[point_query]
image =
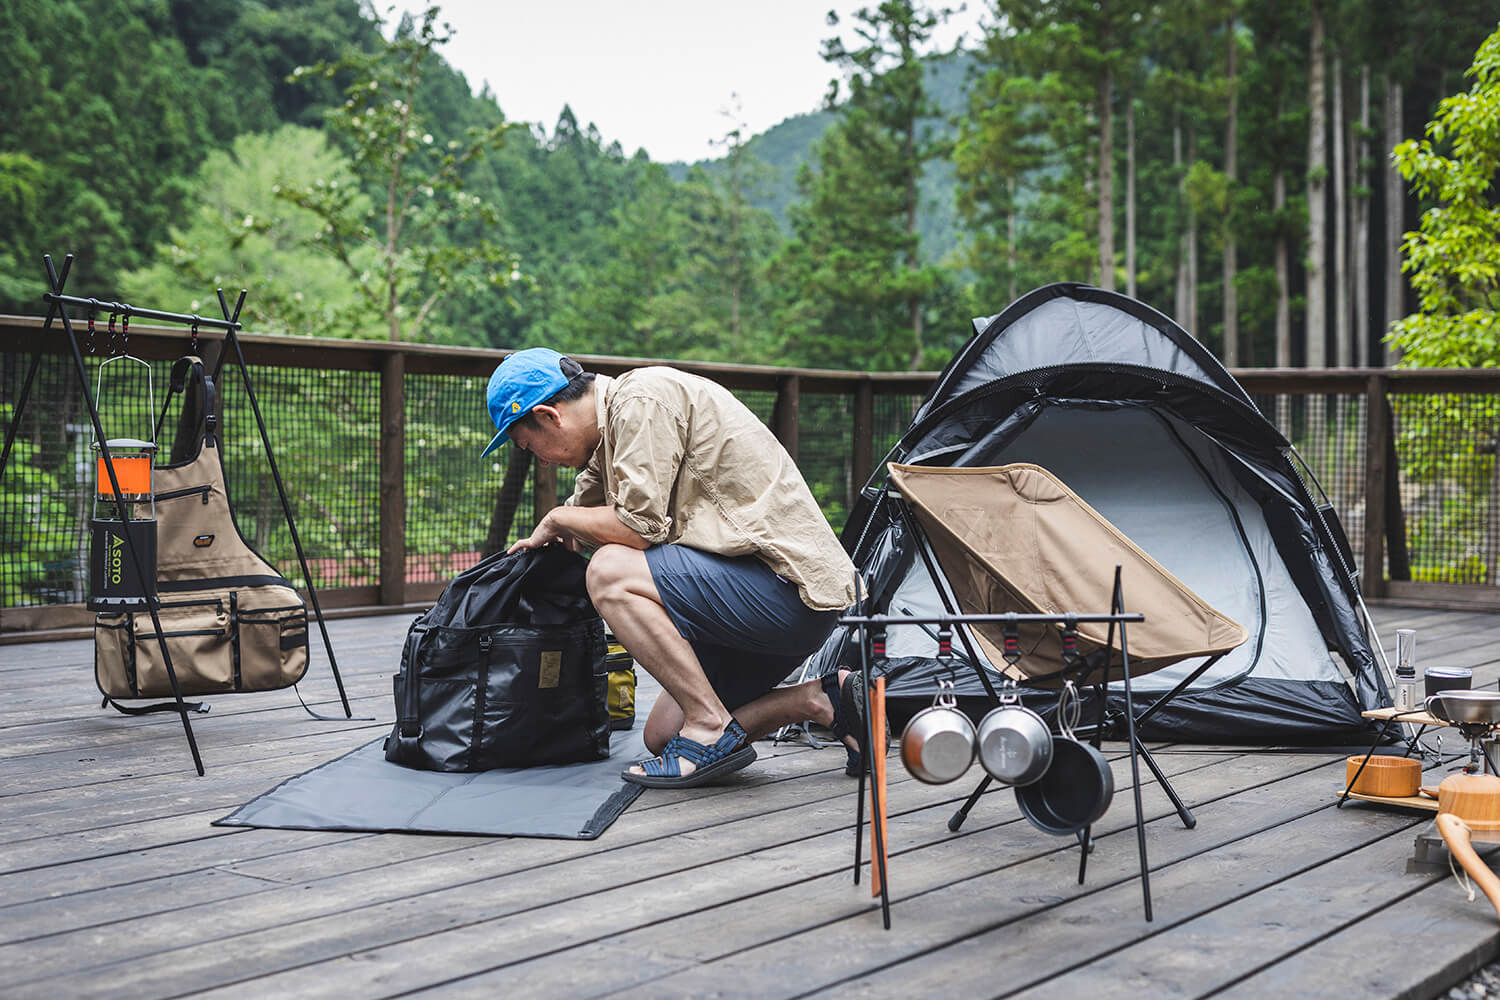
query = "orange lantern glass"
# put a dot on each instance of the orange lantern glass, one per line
(132, 460)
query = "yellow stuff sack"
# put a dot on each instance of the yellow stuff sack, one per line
(621, 670)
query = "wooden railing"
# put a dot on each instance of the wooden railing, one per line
(1360, 459)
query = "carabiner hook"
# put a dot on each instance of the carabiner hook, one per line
(193, 346)
(93, 308)
(111, 347)
(945, 651)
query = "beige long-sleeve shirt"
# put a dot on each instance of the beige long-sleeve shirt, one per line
(681, 460)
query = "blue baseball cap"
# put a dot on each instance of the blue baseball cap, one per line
(525, 379)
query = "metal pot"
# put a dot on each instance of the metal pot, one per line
(1075, 791)
(1015, 745)
(1460, 708)
(1078, 786)
(937, 745)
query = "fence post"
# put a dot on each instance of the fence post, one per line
(393, 479)
(784, 416)
(1397, 558)
(543, 489)
(864, 436)
(1377, 451)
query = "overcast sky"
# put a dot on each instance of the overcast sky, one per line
(657, 74)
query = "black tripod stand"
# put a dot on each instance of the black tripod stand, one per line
(57, 309)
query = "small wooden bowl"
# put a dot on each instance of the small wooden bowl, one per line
(1385, 777)
(1473, 798)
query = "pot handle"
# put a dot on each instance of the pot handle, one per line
(1069, 710)
(1456, 836)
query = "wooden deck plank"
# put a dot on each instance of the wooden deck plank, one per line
(1207, 952)
(773, 906)
(113, 883)
(997, 901)
(396, 885)
(1410, 945)
(752, 857)
(507, 877)
(67, 770)
(1032, 956)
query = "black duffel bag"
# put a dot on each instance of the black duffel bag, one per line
(507, 669)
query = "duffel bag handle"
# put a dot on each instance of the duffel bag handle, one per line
(408, 712)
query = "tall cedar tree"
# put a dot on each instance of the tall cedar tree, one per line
(1001, 146)
(1084, 45)
(858, 287)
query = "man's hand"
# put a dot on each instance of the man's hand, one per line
(580, 527)
(548, 530)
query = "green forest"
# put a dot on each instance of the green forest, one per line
(1228, 162)
(1308, 183)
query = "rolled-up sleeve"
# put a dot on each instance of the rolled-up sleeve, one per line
(650, 438)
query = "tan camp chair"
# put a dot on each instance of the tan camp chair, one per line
(1015, 540)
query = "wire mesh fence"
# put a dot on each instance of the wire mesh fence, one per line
(449, 488)
(1450, 499)
(1328, 432)
(323, 424)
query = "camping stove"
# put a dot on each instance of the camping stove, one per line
(1476, 714)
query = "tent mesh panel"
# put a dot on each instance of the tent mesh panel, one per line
(1329, 433)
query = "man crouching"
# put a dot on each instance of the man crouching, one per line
(713, 565)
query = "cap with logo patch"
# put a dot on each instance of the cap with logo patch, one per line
(523, 380)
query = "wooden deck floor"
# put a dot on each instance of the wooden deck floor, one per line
(113, 883)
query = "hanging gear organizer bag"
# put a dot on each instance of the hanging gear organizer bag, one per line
(507, 669)
(231, 622)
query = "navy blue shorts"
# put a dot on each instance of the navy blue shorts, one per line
(748, 626)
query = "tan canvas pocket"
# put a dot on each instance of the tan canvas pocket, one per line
(114, 669)
(197, 635)
(272, 645)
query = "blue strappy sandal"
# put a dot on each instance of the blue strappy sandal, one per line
(726, 755)
(848, 715)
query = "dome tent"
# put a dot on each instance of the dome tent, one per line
(1140, 421)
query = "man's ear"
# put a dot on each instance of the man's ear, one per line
(548, 415)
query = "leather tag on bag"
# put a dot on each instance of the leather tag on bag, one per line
(551, 672)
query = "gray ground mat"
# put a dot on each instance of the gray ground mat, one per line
(362, 791)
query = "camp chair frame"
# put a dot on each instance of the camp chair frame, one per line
(57, 304)
(871, 642)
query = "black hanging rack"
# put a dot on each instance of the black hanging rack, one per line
(136, 312)
(57, 308)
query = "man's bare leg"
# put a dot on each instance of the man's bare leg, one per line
(625, 595)
(779, 707)
(620, 585)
